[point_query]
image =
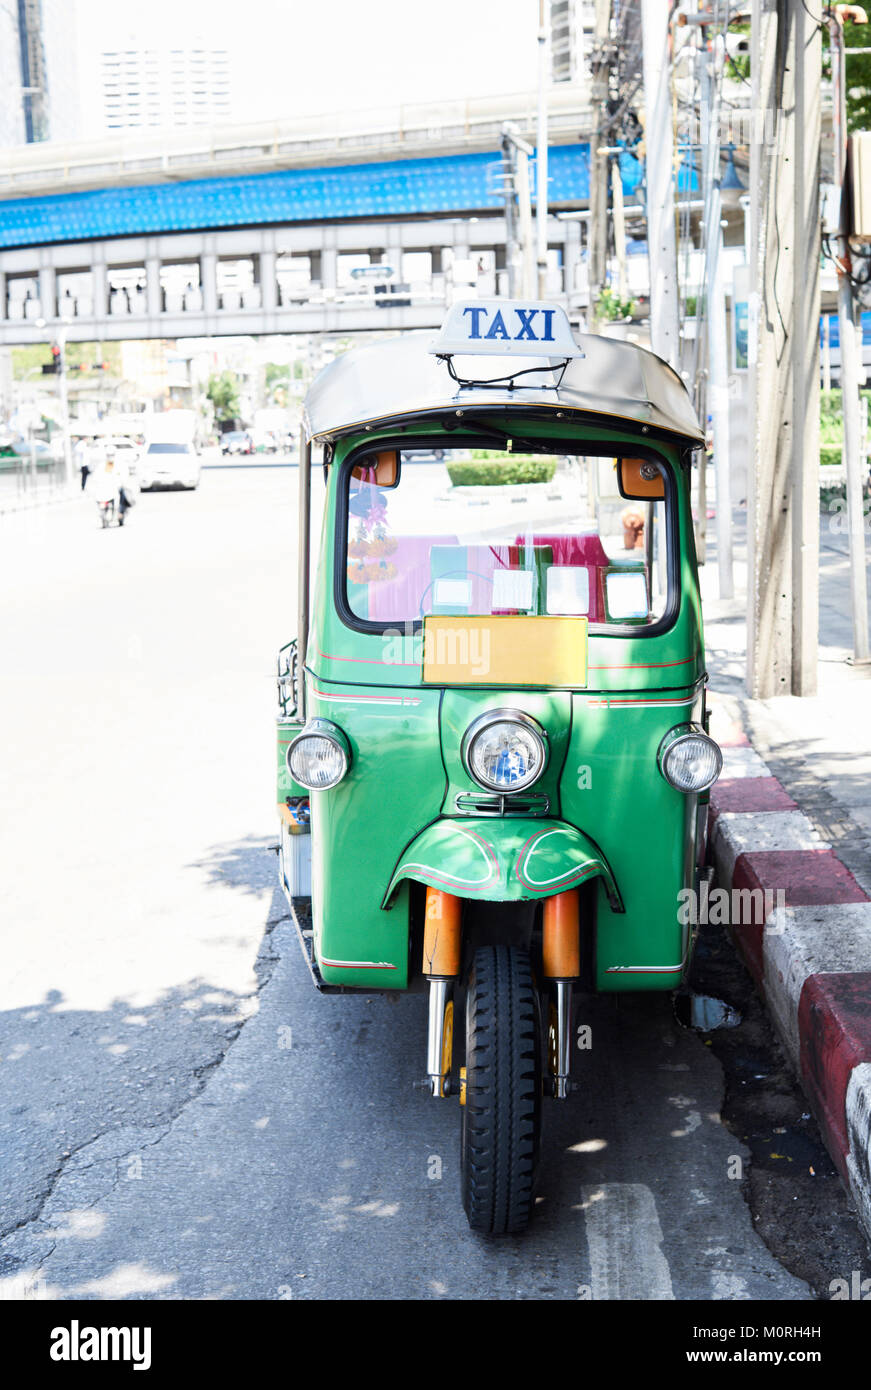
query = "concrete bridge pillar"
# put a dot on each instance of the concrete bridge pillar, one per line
(47, 292)
(393, 255)
(153, 296)
(329, 268)
(268, 281)
(462, 273)
(100, 287)
(209, 281)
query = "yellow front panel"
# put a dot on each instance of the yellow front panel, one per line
(505, 651)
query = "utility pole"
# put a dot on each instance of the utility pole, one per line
(715, 293)
(518, 214)
(61, 340)
(659, 156)
(509, 189)
(597, 245)
(541, 185)
(849, 338)
(65, 407)
(619, 229)
(783, 498)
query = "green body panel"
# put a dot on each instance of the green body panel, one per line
(503, 860)
(394, 787)
(612, 788)
(606, 796)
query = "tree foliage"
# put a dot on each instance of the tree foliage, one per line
(858, 70)
(858, 74)
(79, 357)
(223, 391)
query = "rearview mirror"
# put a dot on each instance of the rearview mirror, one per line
(640, 479)
(384, 465)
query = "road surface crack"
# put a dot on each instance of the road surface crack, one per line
(268, 955)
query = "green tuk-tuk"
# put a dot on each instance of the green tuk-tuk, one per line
(493, 761)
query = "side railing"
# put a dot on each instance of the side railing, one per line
(288, 680)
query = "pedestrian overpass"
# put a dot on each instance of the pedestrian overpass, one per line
(296, 232)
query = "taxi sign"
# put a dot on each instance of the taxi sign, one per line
(507, 327)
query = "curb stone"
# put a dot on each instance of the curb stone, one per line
(806, 939)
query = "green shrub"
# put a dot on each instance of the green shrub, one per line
(832, 424)
(610, 308)
(499, 470)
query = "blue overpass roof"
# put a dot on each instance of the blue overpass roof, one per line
(462, 183)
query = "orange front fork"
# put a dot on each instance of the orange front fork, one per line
(561, 962)
(442, 949)
(441, 934)
(561, 936)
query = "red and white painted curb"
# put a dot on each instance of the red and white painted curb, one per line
(807, 944)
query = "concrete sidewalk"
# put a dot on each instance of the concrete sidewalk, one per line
(791, 816)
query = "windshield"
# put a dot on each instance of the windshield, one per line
(482, 532)
(169, 448)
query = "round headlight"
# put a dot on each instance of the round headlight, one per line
(505, 751)
(319, 757)
(689, 760)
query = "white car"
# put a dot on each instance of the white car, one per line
(169, 465)
(126, 453)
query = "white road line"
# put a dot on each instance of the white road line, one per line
(624, 1238)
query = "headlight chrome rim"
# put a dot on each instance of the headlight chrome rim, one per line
(323, 731)
(683, 734)
(479, 726)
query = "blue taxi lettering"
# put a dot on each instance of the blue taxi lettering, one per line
(476, 319)
(526, 316)
(498, 328)
(547, 335)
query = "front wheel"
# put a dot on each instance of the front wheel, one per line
(501, 1124)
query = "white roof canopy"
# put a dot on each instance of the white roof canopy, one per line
(401, 378)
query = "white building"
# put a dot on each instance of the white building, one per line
(171, 65)
(39, 97)
(11, 101)
(572, 27)
(163, 84)
(60, 66)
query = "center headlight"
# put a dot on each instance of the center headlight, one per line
(505, 750)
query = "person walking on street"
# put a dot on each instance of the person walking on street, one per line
(112, 486)
(82, 455)
(94, 459)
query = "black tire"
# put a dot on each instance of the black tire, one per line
(501, 1119)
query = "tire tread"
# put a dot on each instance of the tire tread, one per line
(502, 1120)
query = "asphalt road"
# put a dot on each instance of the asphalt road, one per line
(181, 1114)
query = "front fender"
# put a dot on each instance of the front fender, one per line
(503, 860)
